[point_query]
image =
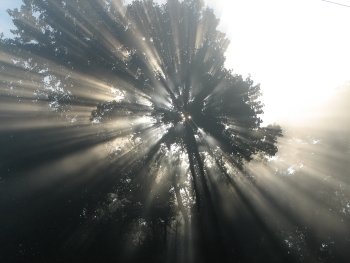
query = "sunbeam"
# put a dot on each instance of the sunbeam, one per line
(124, 138)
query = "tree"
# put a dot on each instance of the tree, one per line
(171, 117)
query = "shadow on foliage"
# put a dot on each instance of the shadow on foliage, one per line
(131, 107)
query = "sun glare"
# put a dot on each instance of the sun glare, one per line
(131, 113)
(296, 50)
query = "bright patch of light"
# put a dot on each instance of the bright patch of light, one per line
(119, 94)
(175, 148)
(273, 158)
(291, 170)
(147, 119)
(315, 141)
(96, 120)
(299, 61)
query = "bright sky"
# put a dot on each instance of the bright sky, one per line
(299, 50)
(5, 20)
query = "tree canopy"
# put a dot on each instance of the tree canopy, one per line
(147, 83)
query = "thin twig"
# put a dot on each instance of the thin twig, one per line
(335, 3)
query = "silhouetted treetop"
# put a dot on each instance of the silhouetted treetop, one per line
(175, 122)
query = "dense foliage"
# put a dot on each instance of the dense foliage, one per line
(135, 103)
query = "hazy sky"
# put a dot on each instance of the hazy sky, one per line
(298, 50)
(5, 20)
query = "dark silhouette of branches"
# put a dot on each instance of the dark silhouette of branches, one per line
(176, 125)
